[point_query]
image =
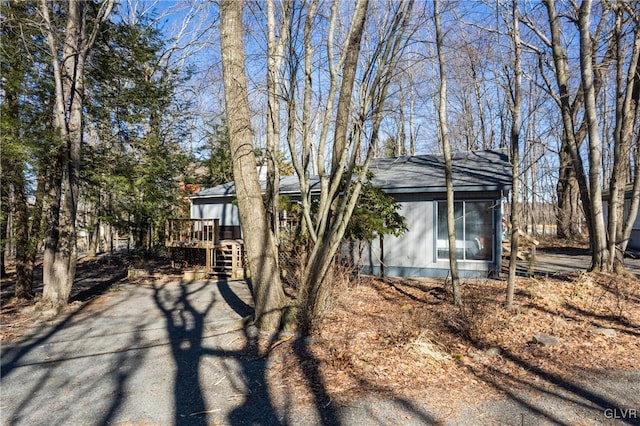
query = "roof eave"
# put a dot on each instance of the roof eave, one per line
(438, 189)
(233, 194)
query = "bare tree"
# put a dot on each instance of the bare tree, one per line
(448, 163)
(571, 186)
(69, 49)
(355, 97)
(606, 254)
(275, 51)
(333, 208)
(516, 103)
(258, 237)
(600, 252)
(626, 106)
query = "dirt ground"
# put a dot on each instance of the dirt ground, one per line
(392, 351)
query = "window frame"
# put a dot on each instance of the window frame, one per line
(464, 230)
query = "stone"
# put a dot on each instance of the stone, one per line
(475, 357)
(545, 339)
(491, 352)
(609, 332)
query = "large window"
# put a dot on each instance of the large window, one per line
(474, 230)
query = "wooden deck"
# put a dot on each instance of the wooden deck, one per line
(186, 237)
(192, 233)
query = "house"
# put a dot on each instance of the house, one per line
(481, 180)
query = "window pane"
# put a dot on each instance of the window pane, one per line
(474, 230)
(479, 230)
(443, 239)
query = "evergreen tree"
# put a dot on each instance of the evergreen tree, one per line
(27, 137)
(219, 164)
(136, 158)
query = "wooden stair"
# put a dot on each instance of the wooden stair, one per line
(229, 260)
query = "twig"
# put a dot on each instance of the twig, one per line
(276, 344)
(197, 413)
(234, 339)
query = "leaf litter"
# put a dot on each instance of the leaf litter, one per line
(404, 338)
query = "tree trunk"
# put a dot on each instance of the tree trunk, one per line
(340, 186)
(260, 246)
(275, 48)
(13, 170)
(4, 222)
(600, 251)
(346, 88)
(571, 142)
(53, 287)
(334, 208)
(68, 62)
(448, 168)
(24, 268)
(15, 174)
(94, 234)
(627, 110)
(36, 223)
(568, 208)
(515, 152)
(5, 212)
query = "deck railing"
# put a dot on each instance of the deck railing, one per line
(192, 232)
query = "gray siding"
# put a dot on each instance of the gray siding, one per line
(413, 253)
(634, 238)
(413, 249)
(410, 255)
(224, 210)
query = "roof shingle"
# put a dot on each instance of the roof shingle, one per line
(488, 170)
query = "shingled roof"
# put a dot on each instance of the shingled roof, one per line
(488, 170)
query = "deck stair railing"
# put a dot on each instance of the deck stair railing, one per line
(230, 259)
(192, 232)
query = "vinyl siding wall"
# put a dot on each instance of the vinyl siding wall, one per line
(413, 254)
(218, 208)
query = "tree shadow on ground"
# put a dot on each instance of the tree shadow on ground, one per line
(236, 303)
(624, 326)
(247, 365)
(623, 289)
(540, 384)
(89, 271)
(123, 367)
(186, 328)
(438, 294)
(549, 384)
(328, 412)
(573, 251)
(12, 355)
(53, 368)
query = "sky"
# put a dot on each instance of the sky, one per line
(190, 27)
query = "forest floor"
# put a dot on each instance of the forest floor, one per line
(395, 351)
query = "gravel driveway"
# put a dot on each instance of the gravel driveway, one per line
(171, 354)
(559, 261)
